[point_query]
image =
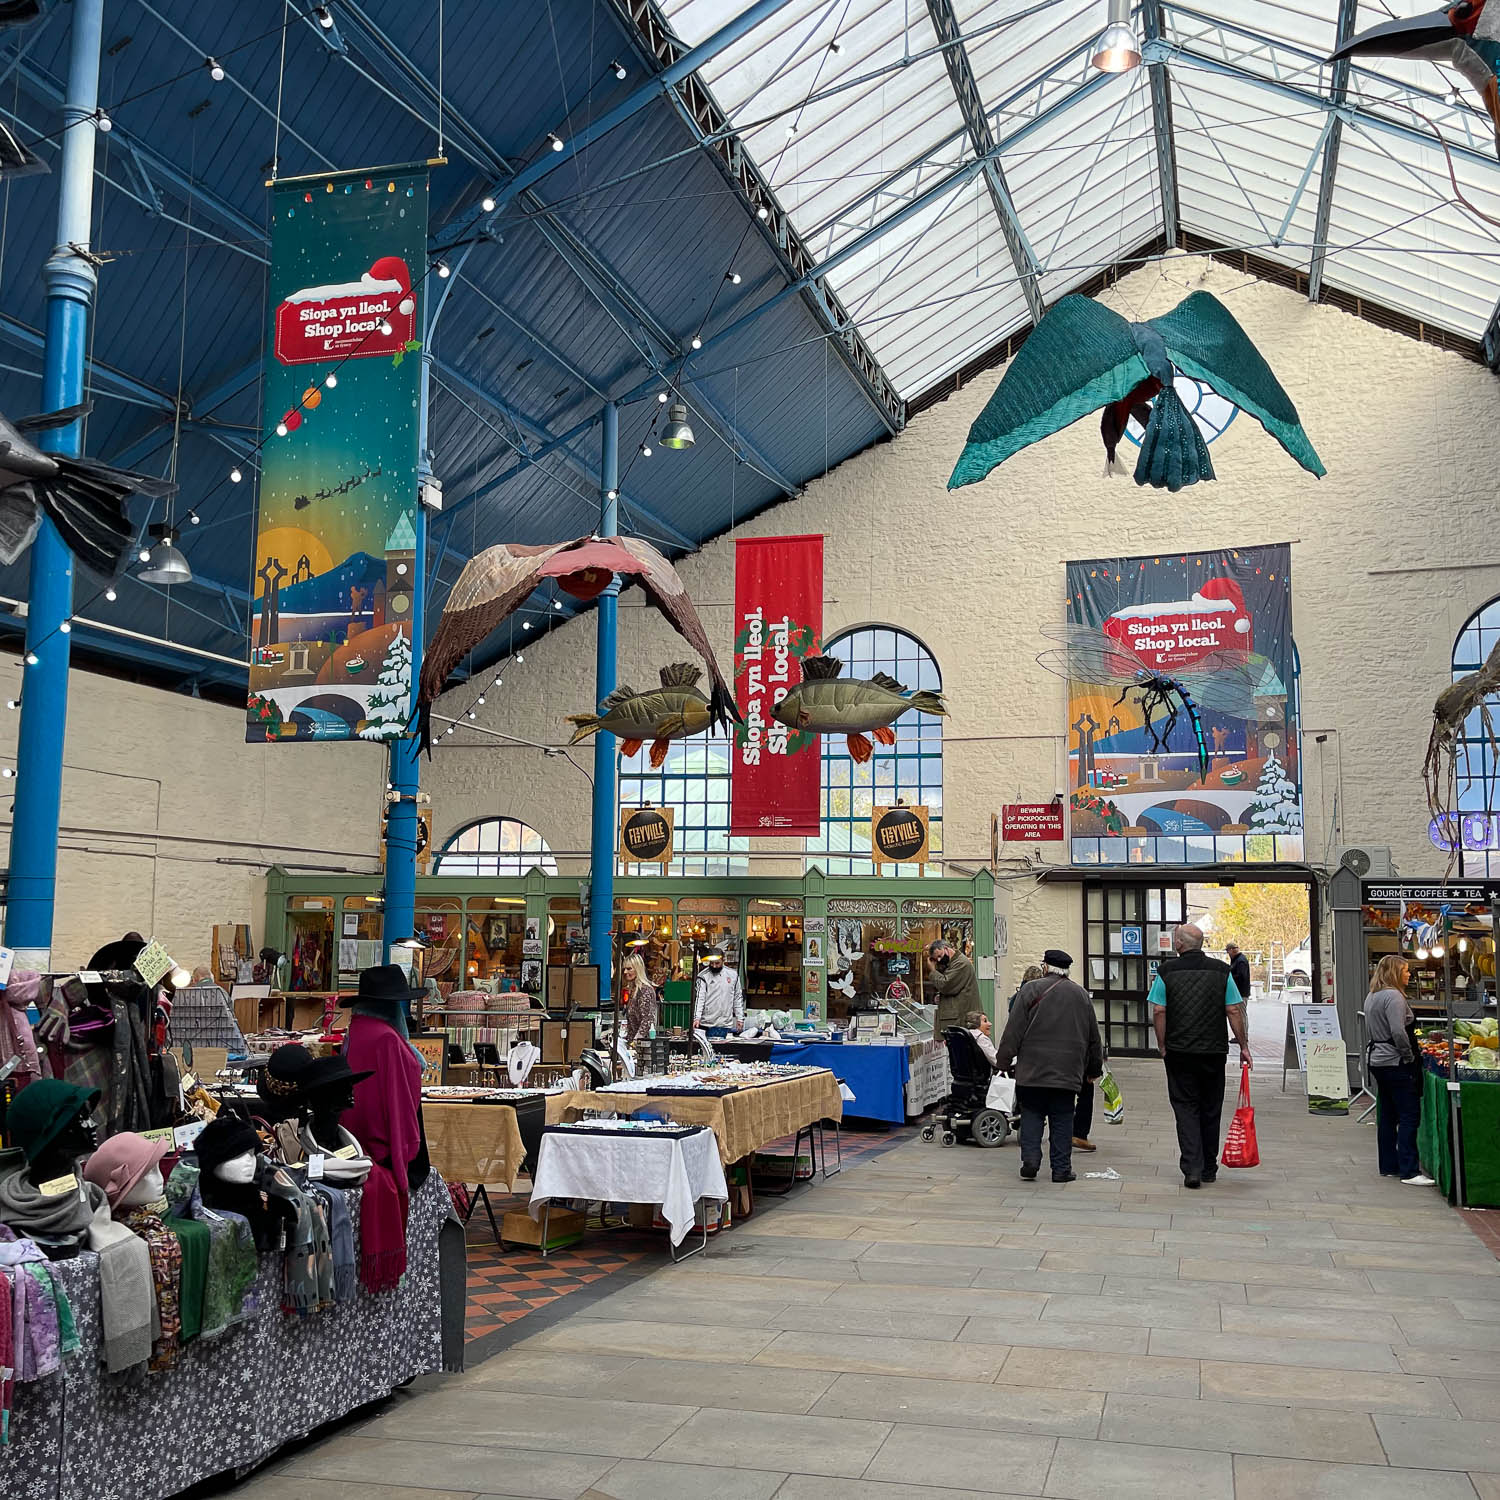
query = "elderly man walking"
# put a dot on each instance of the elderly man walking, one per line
(1192, 999)
(1052, 1038)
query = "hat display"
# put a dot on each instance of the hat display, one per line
(121, 1162)
(119, 956)
(324, 1072)
(282, 1076)
(1055, 958)
(386, 984)
(224, 1138)
(43, 1110)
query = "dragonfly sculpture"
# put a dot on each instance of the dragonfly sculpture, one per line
(1222, 682)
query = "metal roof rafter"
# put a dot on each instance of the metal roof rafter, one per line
(1338, 93)
(1161, 124)
(976, 122)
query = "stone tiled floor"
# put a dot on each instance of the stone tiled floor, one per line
(926, 1324)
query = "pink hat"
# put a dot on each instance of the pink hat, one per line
(121, 1162)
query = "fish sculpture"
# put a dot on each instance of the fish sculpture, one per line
(84, 498)
(827, 704)
(671, 712)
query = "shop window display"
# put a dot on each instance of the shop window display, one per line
(494, 929)
(495, 846)
(773, 955)
(440, 920)
(361, 923)
(911, 770)
(309, 943)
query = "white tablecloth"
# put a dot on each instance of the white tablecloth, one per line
(632, 1167)
(930, 1080)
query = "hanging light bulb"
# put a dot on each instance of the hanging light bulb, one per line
(385, 327)
(520, 659)
(499, 682)
(677, 433)
(12, 703)
(763, 213)
(215, 69)
(645, 450)
(31, 658)
(525, 625)
(234, 475)
(325, 17)
(330, 380)
(557, 604)
(448, 730)
(66, 628)
(111, 595)
(732, 277)
(611, 494)
(1438, 950)
(487, 204)
(480, 700)
(555, 141)
(1421, 955)
(144, 554)
(662, 397)
(471, 713)
(443, 271)
(1117, 50)
(1452, 98)
(619, 70)
(280, 431)
(8, 773)
(102, 122)
(194, 519)
(697, 342)
(1463, 945)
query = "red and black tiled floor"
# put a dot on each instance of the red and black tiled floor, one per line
(507, 1285)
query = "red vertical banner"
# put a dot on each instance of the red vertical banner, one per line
(778, 617)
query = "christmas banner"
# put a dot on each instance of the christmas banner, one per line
(335, 547)
(1182, 734)
(778, 613)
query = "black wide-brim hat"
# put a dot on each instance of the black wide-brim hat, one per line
(386, 984)
(119, 956)
(325, 1072)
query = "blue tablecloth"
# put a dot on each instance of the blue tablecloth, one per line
(876, 1074)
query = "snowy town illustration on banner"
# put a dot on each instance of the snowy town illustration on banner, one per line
(1182, 732)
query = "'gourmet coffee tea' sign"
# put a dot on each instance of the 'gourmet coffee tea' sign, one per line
(898, 835)
(646, 835)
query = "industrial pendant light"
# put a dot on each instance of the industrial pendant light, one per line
(165, 565)
(677, 433)
(1118, 51)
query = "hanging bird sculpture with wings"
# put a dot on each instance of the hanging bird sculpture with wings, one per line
(498, 581)
(1082, 357)
(1465, 35)
(1223, 681)
(1463, 703)
(83, 498)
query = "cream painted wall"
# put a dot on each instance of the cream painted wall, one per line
(1392, 552)
(170, 819)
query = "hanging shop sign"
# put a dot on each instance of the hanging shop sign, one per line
(336, 537)
(1032, 822)
(1472, 831)
(1182, 733)
(898, 835)
(778, 611)
(646, 835)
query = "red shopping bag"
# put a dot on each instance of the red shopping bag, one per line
(1240, 1149)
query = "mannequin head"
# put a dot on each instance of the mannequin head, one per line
(50, 1121)
(228, 1152)
(128, 1167)
(280, 1082)
(238, 1170)
(327, 1091)
(386, 993)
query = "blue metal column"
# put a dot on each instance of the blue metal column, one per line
(602, 841)
(70, 284)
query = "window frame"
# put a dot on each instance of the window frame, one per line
(499, 861)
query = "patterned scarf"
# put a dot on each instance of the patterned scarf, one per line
(341, 1237)
(7, 1359)
(166, 1273)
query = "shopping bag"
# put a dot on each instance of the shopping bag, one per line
(1240, 1149)
(1114, 1105)
(1002, 1094)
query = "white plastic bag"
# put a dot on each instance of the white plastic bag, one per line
(1002, 1094)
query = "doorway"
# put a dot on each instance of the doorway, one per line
(1127, 930)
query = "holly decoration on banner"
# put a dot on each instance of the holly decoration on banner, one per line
(1101, 807)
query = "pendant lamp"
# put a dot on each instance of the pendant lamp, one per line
(1118, 51)
(166, 565)
(677, 433)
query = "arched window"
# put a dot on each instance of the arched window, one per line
(911, 769)
(495, 846)
(1478, 768)
(694, 782)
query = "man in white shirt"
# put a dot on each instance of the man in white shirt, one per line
(718, 998)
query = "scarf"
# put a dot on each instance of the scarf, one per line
(193, 1240)
(299, 1284)
(59, 1223)
(232, 1268)
(393, 1013)
(382, 1230)
(127, 1298)
(166, 1273)
(341, 1240)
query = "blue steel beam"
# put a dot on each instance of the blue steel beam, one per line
(14, 331)
(603, 823)
(1161, 125)
(70, 281)
(982, 138)
(588, 471)
(1338, 93)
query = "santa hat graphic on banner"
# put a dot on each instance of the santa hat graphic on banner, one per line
(1180, 632)
(349, 319)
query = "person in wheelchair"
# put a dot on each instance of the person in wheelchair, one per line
(979, 1028)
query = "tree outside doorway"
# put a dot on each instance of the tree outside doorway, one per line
(1262, 918)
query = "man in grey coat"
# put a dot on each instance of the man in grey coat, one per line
(954, 985)
(1052, 1039)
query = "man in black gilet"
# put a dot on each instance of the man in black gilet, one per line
(1191, 999)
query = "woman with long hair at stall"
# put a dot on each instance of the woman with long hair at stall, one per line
(1395, 1070)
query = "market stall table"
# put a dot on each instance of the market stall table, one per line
(1478, 1133)
(876, 1073)
(609, 1161)
(745, 1119)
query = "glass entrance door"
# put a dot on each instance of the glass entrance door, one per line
(1127, 931)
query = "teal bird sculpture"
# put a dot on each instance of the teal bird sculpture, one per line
(1082, 357)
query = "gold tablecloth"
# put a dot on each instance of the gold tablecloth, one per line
(474, 1143)
(743, 1121)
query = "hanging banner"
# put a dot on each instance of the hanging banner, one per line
(898, 835)
(1182, 734)
(778, 613)
(335, 546)
(646, 835)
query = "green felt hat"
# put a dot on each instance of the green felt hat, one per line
(43, 1110)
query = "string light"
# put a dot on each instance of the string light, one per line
(325, 17)
(732, 277)
(620, 70)
(443, 271)
(280, 432)
(31, 658)
(234, 475)
(525, 624)
(555, 141)
(111, 595)
(520, 660)
(8, 773)
(215, 69)
(487, 204)
(66, 628)
(102, 122)
(662, 397)
(791, 129)
(763, 213)
(557, 604)
(645, 450)
(331, 381)
(480, 700)
(145, 554)
(385, 327)
(471, 713)
(611, 494)
(697, 342)
(194, 518)
(12, 703)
